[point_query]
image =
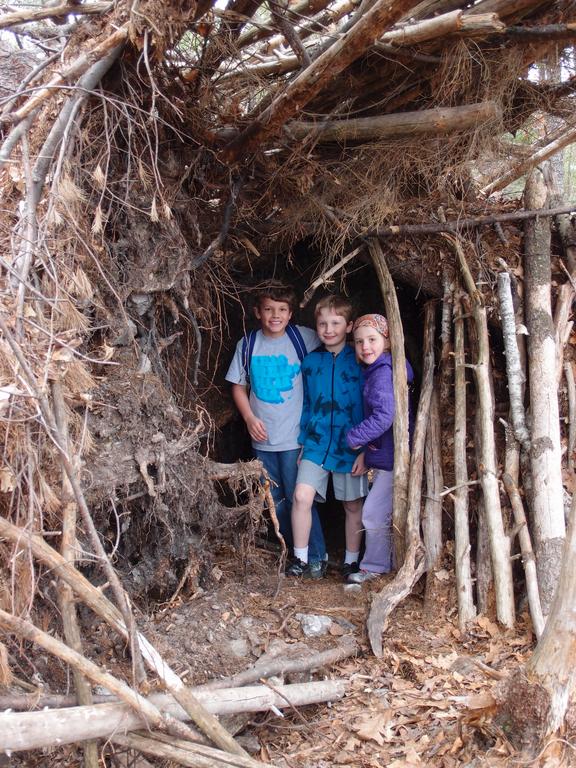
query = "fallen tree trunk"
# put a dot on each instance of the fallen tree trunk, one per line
(34, 730)
(440, 120)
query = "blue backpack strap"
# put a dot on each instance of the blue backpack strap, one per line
(296, 338)
(248, 343)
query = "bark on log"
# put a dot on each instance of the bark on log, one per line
(400, 427)
(545, 454)
(432, 516)
(466, 607)
(8, 20)
(34, 730)
(486, 452)
(414, 563)
(438, 121)
(315, 77)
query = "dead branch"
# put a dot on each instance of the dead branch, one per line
(459, 224)
(324, 278)
(35, 730)
(400, 427)
(571, 389)
(77, 68)
(8, 20)
(284, 666)
(414, 563)
(466, 607)
(183, 753)
(515, 373)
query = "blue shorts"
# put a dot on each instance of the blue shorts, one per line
(347, 487)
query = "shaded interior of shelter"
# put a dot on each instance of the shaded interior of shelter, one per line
(359, 282)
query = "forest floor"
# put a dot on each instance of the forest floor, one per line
(427, 702)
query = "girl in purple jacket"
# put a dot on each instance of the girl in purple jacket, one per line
(372, 343)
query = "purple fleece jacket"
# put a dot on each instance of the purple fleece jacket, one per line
(375, 432)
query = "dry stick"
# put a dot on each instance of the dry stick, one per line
(65, 594)
(510, 479)
(77, 68)
(36, 730)
(26, 630)
(324, 278)
(514, 370)
(545, 456)
(8, 20)
(184, 753)
(458, 224)
(486, 451)
(400, 427)
(571, 387)
(283, 666)
(291, 35)
(527, 164)
(315, 77)
(562, 324)
(466, 607)
(415, 561)
(274, 517)
(30, 77)
(104, 608)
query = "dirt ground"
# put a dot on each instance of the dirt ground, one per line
(427, 701)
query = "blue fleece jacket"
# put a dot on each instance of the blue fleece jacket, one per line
(375, 431)
(332, 405)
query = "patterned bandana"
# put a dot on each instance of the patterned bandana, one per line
(374, 321)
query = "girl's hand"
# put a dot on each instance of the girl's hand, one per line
(359, 468)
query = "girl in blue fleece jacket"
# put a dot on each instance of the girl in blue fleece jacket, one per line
(372, 344)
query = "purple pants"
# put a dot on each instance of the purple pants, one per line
(377, 522)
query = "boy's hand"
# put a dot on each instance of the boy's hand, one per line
(257, 429)
(359, 468)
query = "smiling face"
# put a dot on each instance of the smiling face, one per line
(332, 330)
(274, 316)
(369, 344)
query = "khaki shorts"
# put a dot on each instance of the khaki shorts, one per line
(347, 487)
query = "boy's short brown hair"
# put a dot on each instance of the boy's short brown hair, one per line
(276, 291)
(340, 305)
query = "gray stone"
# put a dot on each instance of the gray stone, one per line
(239, 648)
(314, 625)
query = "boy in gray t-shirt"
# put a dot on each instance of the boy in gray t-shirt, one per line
(267, 390)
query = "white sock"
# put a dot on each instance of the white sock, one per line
(301, 553)
(326, 557)
(350, 557)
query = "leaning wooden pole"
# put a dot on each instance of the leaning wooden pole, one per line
(400, 428)
(545, 453)
(466, 607)
(414, 563)
(486, 452)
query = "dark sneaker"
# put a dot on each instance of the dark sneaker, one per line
(347, 569)
(314, 570)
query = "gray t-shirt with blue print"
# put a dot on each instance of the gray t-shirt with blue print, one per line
(276, 392)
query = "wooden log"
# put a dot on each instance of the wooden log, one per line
(438, 121)
(400, 427)
(35, 730)
(486, 451)
(571, 390)
(315, 77)
(466, 607)
(432, 516)
(545, 454)
(414, 563)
